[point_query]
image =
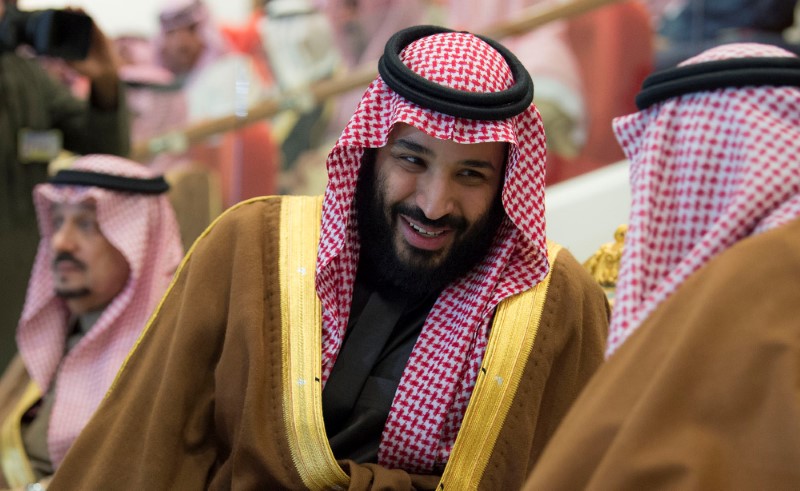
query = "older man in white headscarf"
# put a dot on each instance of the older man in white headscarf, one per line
(110, 245)
(219, 83)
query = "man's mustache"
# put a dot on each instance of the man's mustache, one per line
(415, 213)
(66, 256)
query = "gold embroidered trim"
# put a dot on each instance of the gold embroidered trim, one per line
(14, 460)
(506, 356)
(301, 326)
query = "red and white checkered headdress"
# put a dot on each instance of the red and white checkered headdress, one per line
(709, 168)
(143, 228)
(437, 383)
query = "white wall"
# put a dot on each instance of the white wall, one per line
(117, 17)
(583, 213)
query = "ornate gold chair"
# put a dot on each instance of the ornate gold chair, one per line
(603, 265)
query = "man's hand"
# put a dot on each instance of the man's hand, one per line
(101, 68)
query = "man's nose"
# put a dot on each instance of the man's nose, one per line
(435, 196)
(63, 239)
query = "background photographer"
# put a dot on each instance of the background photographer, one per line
(39, 118)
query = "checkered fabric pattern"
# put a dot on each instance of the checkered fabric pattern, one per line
(143, 228)
(708, 170)
(433, 393)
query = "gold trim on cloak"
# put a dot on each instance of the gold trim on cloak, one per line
(301, 327)
(13, 458)
(511, 341)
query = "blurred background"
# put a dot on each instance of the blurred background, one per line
(118, 18)
(232, 99)
(239, 98)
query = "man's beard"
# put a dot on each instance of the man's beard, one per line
(420, 274)
(67, 294)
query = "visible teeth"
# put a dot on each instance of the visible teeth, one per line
(423, 231)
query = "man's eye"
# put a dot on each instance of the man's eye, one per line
(411, 159)
(87, 225)
(472, 175)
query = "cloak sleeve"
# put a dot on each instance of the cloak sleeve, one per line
(705, 394)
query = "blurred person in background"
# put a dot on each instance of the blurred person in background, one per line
(614, 48)
(219, 83)
(109, 248)
(39, 118)
(155, 101)
(158, 108)
(299, 45)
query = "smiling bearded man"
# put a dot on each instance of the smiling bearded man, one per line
(109, 247)
(412, 329)
(446, 247)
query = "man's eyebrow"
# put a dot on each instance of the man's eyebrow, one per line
(478, 164)
(412, 146)
(415, 147)
(82, 206)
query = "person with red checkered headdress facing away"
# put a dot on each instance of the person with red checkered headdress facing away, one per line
(410, 329)
(110, 245)
(700, 389)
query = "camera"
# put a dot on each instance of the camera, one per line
(58, 33)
